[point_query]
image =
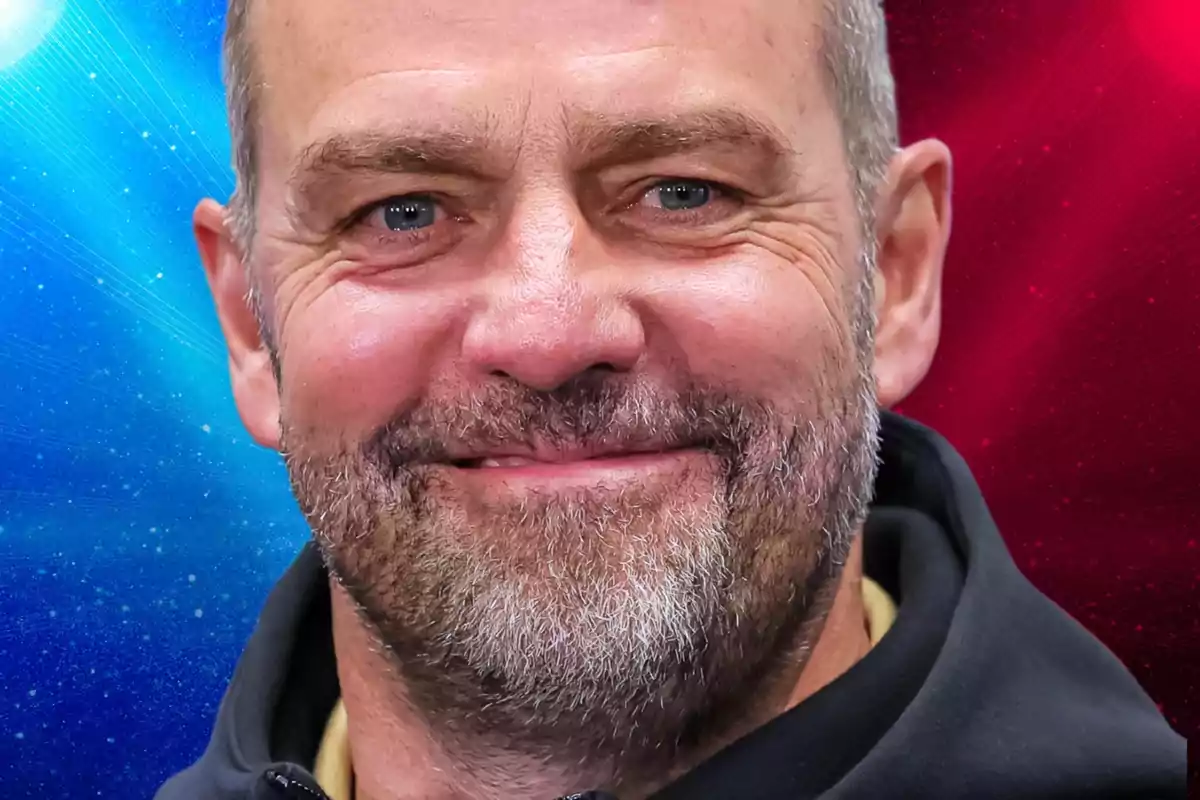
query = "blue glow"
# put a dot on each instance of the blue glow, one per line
(23, 26)
(139, 527)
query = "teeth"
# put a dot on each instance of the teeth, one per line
(505, 461)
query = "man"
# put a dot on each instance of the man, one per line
(573, 321)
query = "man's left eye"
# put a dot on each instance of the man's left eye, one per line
(680, 194)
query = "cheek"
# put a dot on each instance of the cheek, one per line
(353, 357)
(769, 330)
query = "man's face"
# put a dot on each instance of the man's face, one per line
(565, 298)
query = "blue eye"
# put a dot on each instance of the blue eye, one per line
(409, 213)
(682, 195)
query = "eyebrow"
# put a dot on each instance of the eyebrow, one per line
(598, 141)
(379, 152)
(603, 141)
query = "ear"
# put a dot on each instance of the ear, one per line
(913, 228)
(250, 368)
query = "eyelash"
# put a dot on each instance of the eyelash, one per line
(719, 192)
(419, 236)
(359, 216)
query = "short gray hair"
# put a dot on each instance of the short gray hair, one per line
(241, 101)
(858, 71)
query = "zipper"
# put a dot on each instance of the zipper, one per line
(283, 782)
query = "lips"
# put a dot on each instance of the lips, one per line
(551, 458)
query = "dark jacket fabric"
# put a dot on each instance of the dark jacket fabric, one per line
(982, 688)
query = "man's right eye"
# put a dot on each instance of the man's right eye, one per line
(404, 214)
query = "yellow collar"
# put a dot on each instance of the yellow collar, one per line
(335, 774)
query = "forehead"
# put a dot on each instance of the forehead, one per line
(359, 63)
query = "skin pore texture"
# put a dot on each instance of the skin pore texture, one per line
(573, 345)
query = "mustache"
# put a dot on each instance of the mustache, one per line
(592, 410)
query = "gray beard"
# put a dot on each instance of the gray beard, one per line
(620, 629)
(614, 632)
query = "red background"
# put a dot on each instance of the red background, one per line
(1069, 366)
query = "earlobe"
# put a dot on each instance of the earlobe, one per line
(913, 228)
(251, 371)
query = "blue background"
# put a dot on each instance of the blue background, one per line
(139, 526)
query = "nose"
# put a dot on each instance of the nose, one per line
(551, 317)
(545, 335)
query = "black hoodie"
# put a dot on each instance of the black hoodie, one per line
(982, 688)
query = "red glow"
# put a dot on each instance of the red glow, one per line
(1169, 32)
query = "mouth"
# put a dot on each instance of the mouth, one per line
(557, 459)
(551, 470)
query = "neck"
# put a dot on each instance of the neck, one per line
(398, 754)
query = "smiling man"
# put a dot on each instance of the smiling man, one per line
(574, 321)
